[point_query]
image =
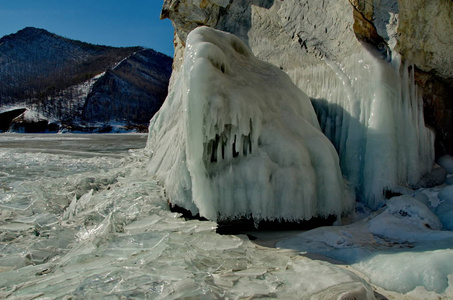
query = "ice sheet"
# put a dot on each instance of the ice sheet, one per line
(91, 234)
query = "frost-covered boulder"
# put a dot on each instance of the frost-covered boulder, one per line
(345, 59)
(236, 138)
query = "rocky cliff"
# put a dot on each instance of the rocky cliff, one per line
(296, 35)
(378, 73)
(76, 85)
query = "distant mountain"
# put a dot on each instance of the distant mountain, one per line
(79, 86)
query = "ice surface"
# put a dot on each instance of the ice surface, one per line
(400, 248)
(237, 138)
(372, 112)
(404, 271)
(109, 234)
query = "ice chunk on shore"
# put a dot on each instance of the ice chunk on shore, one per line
(237, 138)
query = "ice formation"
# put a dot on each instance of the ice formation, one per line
(368, 106)
(235, 137)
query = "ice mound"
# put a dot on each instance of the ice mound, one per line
(404, 271)
(404, 220)
(237, 138)
(400, 248)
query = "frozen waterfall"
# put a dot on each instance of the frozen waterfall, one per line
(368, 106)
(236, 138)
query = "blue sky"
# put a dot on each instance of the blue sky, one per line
(105, 22)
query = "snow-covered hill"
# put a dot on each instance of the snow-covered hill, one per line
(79, 86)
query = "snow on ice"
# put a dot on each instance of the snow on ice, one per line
(236, 138)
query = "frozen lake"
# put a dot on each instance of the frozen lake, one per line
(31, 157)
(73, 144)
(80, 217)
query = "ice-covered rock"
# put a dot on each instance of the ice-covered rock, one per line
(445, 208)
(345, 60)
(446, 162)
(237, 138)
(437, 176)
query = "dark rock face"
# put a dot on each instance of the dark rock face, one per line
(438, 109)
(132, 92)
(8, 116)
(40, 126)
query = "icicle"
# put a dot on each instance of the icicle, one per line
(370, 110)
